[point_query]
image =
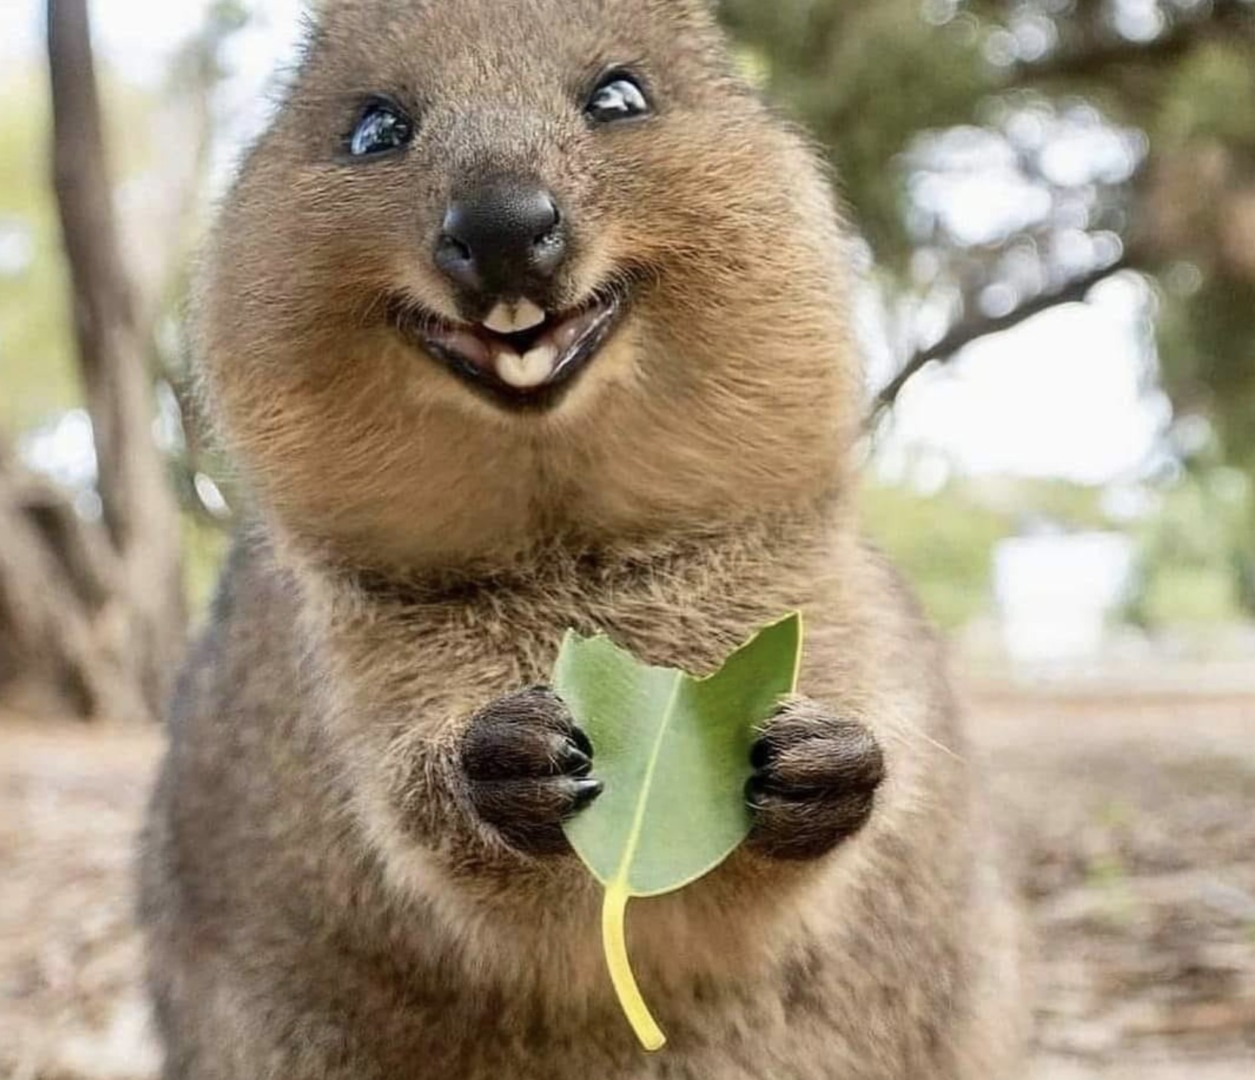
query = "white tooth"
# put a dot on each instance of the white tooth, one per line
(514, 318)
(528, 316)
(527, 371)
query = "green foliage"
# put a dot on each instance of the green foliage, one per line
(36, 346)
(674, 754)
(1210, 95)
(1195, 554)
(1187, 596)
(1071, 506)
(1207, 355)
(944, 544)
(865, 79)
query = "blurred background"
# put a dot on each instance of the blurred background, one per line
(1055, 209)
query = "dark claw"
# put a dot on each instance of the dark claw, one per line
(573, 761)
(767, 781)
(581, 740)
(585, 791)
(761, 754)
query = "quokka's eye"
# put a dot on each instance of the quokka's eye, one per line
(382, 127)
(619, 96)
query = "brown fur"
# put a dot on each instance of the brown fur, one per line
(327, 892)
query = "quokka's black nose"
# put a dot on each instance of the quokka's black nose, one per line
(505, 238)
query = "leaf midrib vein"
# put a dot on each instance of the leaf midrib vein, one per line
(647, 783)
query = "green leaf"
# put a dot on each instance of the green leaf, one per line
(674, 754)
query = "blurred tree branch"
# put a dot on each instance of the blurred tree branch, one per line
(1222, 22)
(976, 326)
(60, 620)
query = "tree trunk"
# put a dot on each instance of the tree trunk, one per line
(140, 516)
(63, 625)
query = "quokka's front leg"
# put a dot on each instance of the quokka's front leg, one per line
(815, 779)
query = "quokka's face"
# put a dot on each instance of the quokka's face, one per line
(531, 195)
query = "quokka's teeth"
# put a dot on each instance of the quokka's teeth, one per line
(514, 318)
(530, 370)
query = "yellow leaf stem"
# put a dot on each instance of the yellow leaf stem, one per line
(614, 939)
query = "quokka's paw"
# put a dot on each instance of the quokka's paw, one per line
(528, 768)
(814, 783)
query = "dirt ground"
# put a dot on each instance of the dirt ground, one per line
(1132, 821)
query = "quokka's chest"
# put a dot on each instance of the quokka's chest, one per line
(511, 632)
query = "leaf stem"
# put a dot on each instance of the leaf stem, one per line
(614, 940)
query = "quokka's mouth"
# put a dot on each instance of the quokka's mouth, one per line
(520, 355)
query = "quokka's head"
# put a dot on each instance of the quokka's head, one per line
(533, 221)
